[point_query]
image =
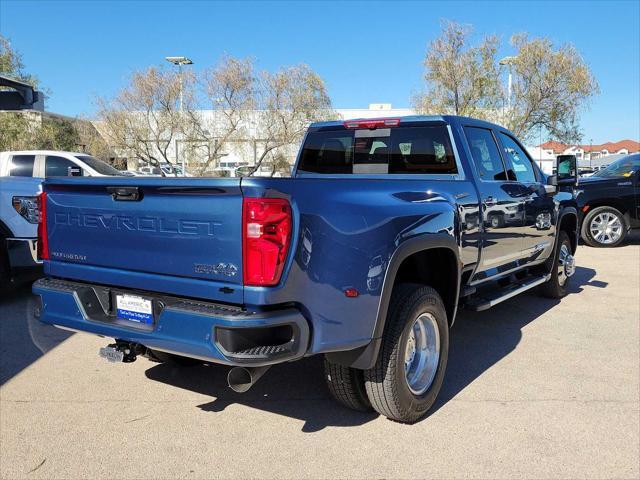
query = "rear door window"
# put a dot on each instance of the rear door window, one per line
(397, 150)
(485, 153)
(22, 165)
(58, 166)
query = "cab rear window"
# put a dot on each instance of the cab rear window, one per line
(396, 150)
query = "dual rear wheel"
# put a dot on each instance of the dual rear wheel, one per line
(408, 373)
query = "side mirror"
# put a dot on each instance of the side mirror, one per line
(74, 172)
(552, 184)
(567, 168)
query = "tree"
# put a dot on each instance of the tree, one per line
(35, 131)
(11, 63)
(550, 86)
(461, 79)
(143, 120)
(549, 90)
(289, 100)
(228, 90)
(16, 131)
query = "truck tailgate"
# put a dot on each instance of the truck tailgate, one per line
(175, 236)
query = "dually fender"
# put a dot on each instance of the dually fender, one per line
(365, 357)
(564, 212)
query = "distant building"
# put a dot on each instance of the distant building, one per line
(588, 154)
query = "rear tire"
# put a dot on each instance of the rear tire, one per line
(594, 229)
(346, 386)
(406, 378)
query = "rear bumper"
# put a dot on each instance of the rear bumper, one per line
(207, 331)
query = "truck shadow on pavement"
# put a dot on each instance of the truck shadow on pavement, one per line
(23, 339)
(297, 390)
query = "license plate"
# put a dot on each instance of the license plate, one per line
(133, 308)
(111, 354)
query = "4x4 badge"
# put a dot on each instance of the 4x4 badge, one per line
(226, 269)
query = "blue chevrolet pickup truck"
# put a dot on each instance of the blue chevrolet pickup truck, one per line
(386, 228)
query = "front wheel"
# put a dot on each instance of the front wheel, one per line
(408, 374)
(604, 227)
(562, 269)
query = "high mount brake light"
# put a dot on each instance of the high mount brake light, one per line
(266, 236)
(372, 123)
(43, 240)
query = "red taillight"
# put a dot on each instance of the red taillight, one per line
(372, 123)
(266, 235)
(43, 240)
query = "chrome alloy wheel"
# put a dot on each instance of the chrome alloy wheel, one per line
(606, 228)
(422, 354)
(566, 265)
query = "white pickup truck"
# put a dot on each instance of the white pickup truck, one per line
(21, 173)
(52, 163)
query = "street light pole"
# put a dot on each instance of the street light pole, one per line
(179, 62)
(509, 61)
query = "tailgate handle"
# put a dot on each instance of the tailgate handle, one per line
(125, 194)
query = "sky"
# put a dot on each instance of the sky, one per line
(365, 52)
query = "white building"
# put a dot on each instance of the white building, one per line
(590, 155)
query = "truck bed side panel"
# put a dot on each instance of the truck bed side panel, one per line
(346, 233)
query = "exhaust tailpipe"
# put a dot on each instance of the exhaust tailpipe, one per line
(241, 379)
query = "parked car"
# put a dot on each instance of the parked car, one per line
(18, 229)
(164, 170)
(609, 203)
(52, 163)
(364, 256)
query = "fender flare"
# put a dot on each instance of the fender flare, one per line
(365, 357)
(569, 210)
(5, 230)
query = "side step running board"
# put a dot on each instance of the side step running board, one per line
(499, 296)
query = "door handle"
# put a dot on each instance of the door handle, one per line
(489, 202)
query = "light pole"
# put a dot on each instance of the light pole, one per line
(508, 61)
(180, 61)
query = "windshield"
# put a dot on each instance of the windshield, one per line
(625, 167)
(99, 166)
(177, 169)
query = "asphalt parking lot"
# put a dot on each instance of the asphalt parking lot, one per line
(534, 389)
